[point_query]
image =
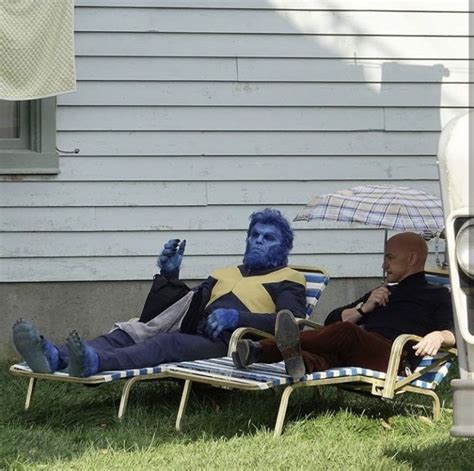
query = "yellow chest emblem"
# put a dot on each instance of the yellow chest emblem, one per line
(250, 290)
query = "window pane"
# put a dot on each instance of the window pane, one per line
(8, 119)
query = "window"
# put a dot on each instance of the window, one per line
(28, 137)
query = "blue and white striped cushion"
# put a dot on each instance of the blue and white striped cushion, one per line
(104, 376)
(439, 280)
(427, 381)
(259, 375)
(265, 376)
(315, 284)
(342, 372)
(121, 374)
(431, 379)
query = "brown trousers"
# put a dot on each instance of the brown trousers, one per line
(336, 345)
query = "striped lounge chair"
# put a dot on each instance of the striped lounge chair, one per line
(316, 281)
(220, 372)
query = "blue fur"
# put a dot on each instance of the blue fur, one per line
(171, 257)
(219, 320)
(277, 256)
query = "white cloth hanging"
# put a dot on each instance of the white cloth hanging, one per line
(36, 48)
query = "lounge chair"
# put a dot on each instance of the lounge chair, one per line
(316, 281)
(221, 372)
(130, 376)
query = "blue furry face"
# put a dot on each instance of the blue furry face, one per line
(264, 247)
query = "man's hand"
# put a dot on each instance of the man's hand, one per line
(378, 297)
(429, 344)
(219, 320)
(171, 257)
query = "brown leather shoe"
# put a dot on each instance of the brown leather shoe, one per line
(287, 335)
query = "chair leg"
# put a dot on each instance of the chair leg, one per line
(124, 398)
(282, 410)
(435, 401)
(436, 404)
(317, 393)
(183, 403)
(29, 392)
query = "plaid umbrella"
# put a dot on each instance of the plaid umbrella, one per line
(397, 208)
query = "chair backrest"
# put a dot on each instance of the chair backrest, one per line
(316, 280)
(437, 279)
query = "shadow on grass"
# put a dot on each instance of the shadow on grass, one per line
(66, 419)
(231, 413)
(455, 454)
(219, 413)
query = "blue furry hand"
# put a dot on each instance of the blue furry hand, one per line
(171, 257)
(219, 320)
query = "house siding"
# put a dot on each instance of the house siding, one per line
(190, 115)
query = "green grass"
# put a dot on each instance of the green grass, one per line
(74, 427)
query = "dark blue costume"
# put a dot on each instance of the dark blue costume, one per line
(249, 295)
(266, 292)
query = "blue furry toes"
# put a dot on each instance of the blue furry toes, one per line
(83, 360)
(40, 354)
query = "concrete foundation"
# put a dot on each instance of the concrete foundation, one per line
(93, 307)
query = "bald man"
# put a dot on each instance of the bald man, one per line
(361, 333)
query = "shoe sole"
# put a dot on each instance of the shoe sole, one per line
(240, 355)
(287, 336)
(29, 344)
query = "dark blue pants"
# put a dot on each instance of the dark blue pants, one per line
(117, 350)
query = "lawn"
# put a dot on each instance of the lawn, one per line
(74, 427)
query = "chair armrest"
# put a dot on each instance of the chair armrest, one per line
(309, 323)
(394, 364)
(239, 333)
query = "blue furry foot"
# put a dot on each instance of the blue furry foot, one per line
(40, 354)
(83, 360)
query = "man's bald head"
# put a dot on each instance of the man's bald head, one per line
(411, 242)
(406, 254)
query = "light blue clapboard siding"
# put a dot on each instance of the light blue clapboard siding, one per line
(157, 68)
(103, 193)
(179, 219)
(278, 5)
(236, 143)
(269, 45)
(291, 192)
(106, 268)
(190, 115)
(248, 167)
(224, 118)
(177, 193)
(199, 118)
(263, 21)
(149, 243)
(265, 69)
(137, 267)
(283, 94)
